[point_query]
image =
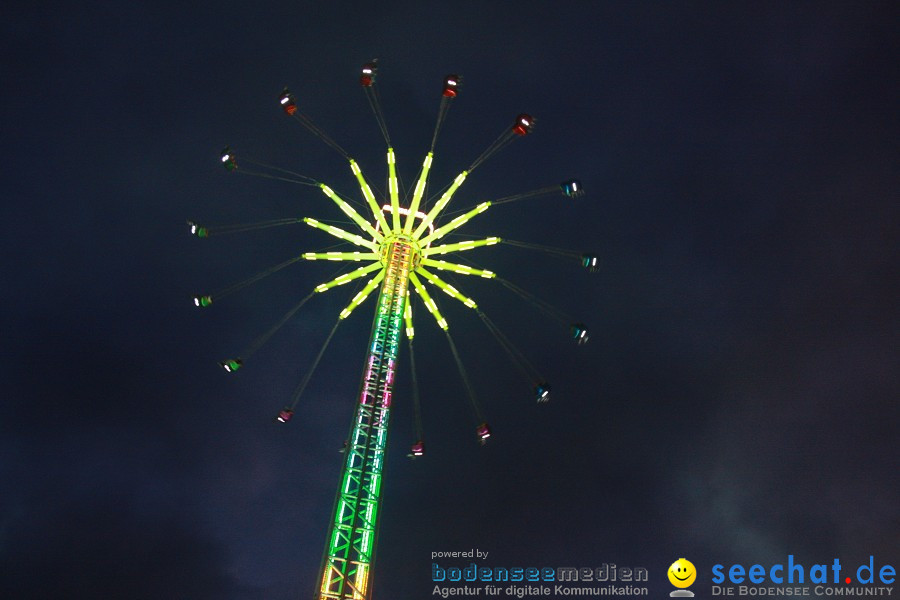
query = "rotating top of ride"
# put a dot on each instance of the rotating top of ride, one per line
(409, 217)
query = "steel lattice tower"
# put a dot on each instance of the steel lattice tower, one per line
(351, 542)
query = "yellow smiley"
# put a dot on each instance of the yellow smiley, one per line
(682, 573)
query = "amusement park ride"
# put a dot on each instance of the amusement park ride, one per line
(397, 245)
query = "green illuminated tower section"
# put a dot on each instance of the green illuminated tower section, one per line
(351, 542)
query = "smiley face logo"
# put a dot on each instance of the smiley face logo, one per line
(682, 573)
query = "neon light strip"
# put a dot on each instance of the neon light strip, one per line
(367, 193)
(362, 295)
(443, 265)
(460, 246)
(342, 279)
(410, 332)
(417, 194)
(340, 233)
(393, 189)
(351, 212)
(447, 288)
(457, 222)
(340, 256)
(429, 301)
(440, 204)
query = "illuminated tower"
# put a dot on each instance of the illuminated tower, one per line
(395, 245)
(351, 541)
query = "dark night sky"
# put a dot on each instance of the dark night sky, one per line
(736, 403)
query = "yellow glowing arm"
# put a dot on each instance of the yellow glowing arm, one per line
(457, 222)
(456, 268)
(351, 212)
(362, 295)
(342, 279)
(407, 316)
(393, 189)
(446, 288)
(440, 204)
(340, 233)
(339, 256)
(460, 246)
(429, 301)
(417, 194)
(370, 197)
